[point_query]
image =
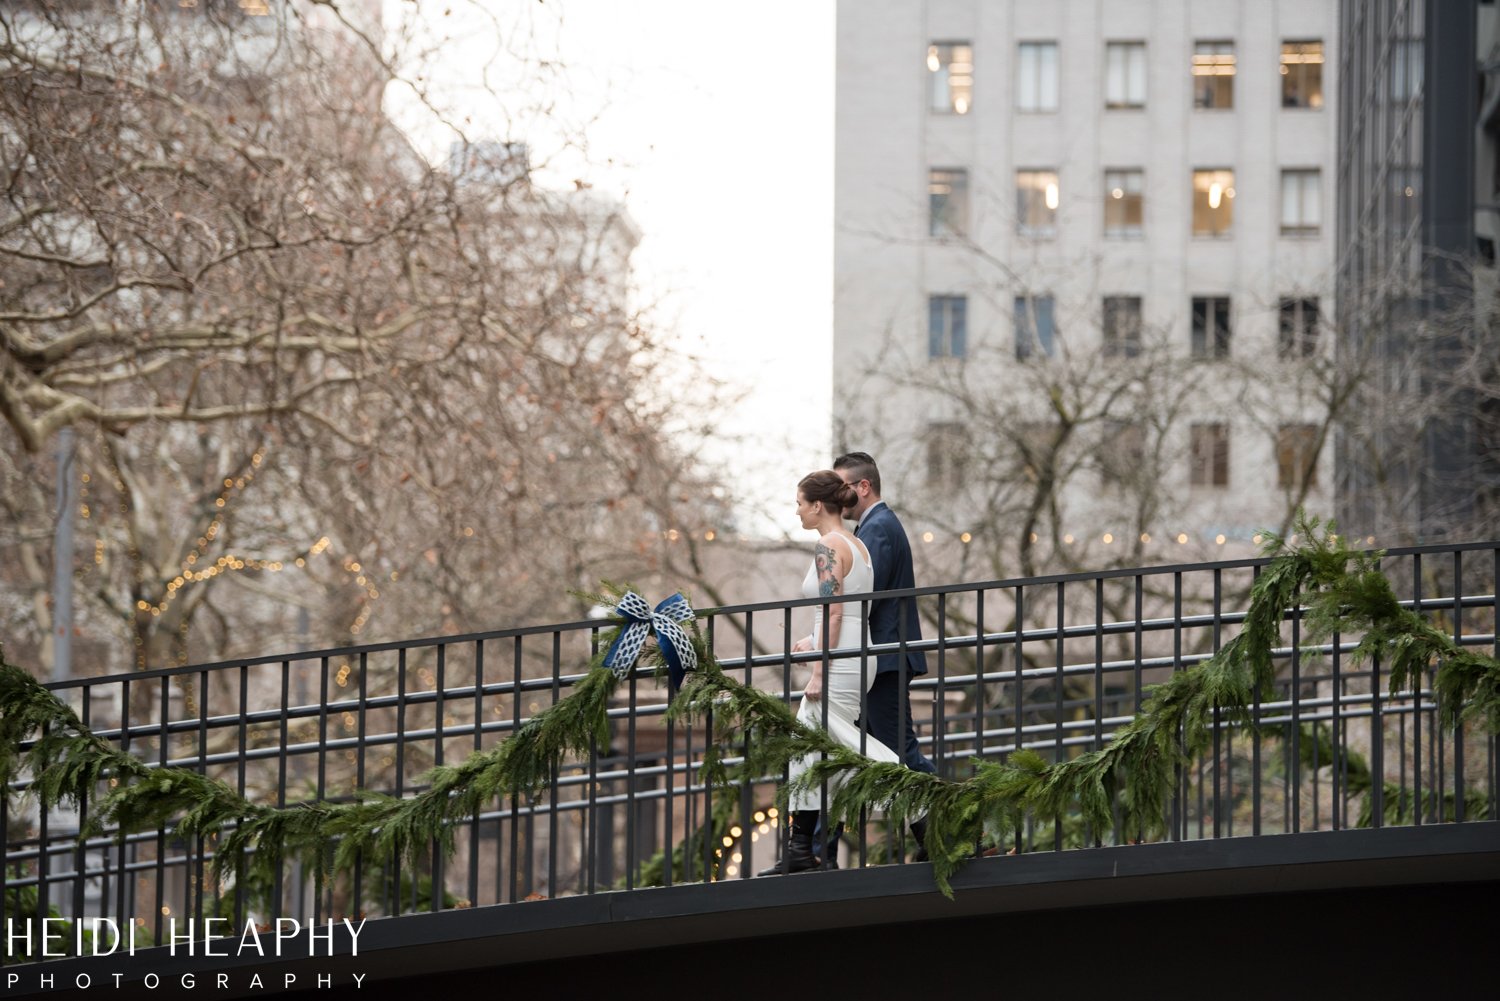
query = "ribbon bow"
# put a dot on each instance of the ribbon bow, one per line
(641, 619)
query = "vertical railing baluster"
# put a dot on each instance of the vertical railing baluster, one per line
(125, 887)
(1255, 787)
(1458, 725)
(1020, 692)
(199, 872)
(1095, 835)
(515, 797)
(1218, 798)
(1416, 705)
(747, 801)
(591, 816)
(1294, 755)
(359, 770)
(322, 774)
(1180, 793)
(552, 813)
(940, 735)
(161, 832)
(1339, 786)
(1059, 751)
(630, 784)
(477, 743)
(395, 857)
(438, 885)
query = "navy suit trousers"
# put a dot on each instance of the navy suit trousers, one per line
(884, 705)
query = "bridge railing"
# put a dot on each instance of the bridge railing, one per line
(1053, 664)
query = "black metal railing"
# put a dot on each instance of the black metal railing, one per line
(1053, 664)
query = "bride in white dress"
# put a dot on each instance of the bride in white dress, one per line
(841, 567)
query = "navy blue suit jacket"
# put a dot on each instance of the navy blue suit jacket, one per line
(890, 553)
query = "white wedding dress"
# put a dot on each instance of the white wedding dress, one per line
(847, 680)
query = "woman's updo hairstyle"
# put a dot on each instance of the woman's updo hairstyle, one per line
(828, 487)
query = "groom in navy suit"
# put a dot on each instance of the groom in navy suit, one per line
(891, 620)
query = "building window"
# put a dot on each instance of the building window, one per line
(951, 67)
(1210, 456)
(1299, 328)
(945, 455)
(1122, 453)
(947, 201)
(1122, 326)
(1124, 202)
(1211, 327)
(1036, 334)
(1036, 76)
(947, 326)
(1302, 74)
(1296, 456)
(1213, 202)
(1036, 202)
(1125, 75)
(1213, 75)
(1406, 68)
(1301, 202)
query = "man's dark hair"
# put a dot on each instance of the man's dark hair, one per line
(862, 465)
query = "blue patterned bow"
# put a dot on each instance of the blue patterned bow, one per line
(641, 620)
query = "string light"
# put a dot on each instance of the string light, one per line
(1145, 536)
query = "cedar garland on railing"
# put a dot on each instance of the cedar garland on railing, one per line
(1337, 589)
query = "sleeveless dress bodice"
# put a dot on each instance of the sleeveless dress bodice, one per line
(859, 580)
(847, 678)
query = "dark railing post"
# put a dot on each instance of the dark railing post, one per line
(1416, 701)
(1020, 693)
(478, 713)
(1458, 726)
(1059, 683)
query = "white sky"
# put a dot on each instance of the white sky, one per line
(713, 123)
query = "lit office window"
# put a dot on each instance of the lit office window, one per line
(1036, 202)
(1125, 75)
(1302, 74)
(1210, 455)
(1122, 326)
(1124, 202)
(1301, 202)
(1036, 76)
(1296, 456)
(1213, 202)
(947, 326)
(947, 201)
(951, 68)
(1036, 334)
(1298, 333)
(1211, 327)
(1213, 75)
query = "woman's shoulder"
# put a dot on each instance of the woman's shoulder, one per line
(838, 542)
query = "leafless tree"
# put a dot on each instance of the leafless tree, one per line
(290, 346)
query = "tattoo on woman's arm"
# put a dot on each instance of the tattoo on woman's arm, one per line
(827, 561)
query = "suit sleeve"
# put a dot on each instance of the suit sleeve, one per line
(882, 554)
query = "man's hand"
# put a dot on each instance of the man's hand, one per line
(803, 645)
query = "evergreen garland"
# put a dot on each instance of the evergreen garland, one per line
(1338, 589)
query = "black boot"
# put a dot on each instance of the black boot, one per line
(798, 856)
(919, 831)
